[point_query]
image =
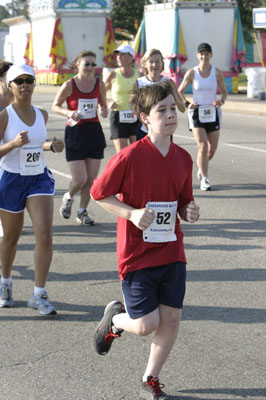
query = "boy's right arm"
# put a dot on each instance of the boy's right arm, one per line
(141, 218)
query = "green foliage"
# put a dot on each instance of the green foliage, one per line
(245, 9)
(127, 15)
(3, 14)
(17, 7)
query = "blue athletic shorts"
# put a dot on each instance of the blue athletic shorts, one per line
(16, 188)
(146, 288)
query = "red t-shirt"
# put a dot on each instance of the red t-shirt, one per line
(78, 100)
(140, 173)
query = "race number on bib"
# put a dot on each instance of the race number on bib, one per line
(162, 228)
(31, 160)
(207, 113)
(127, 116)
(87, 108)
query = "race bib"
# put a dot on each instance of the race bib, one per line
(87, 108)
(207, 113)
(31, 160)
(127, 116)
(162, 228)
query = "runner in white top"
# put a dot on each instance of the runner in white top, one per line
(5, 98)
(153, 66)
(25, 182)
(204, 112)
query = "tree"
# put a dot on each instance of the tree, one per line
(245, 9)
(127, 15)
(3, 14)
(17, 7)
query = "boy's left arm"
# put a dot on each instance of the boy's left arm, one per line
(190, 212)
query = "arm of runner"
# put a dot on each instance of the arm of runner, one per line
(179, 102)
(108, 84)
(222, 87)
(103, 105)
(141, 218)
(63, 93)
(18, 141)
(188, 78)
(56, 146)
(190, 212)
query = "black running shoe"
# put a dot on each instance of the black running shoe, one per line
(104, 335)
(151, 390)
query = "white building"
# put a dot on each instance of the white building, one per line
(83, 26)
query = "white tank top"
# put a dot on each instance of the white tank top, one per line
(204, 89)
(30, 154)
(144, 81)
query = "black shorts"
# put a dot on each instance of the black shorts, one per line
(194, 122)
(146, 288)
(84, 141)
(121, 130)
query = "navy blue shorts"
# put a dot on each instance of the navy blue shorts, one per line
(194, 122)
(84, 141)
(121, 130)
(16, 188)
(146, 288)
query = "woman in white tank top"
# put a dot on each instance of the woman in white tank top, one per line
(25, 183)
(153, 66)
(204, 113)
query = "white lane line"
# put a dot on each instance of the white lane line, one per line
(227, 144)
(243, 147)
(55, 171)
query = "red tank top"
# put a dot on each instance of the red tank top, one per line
(85, 103)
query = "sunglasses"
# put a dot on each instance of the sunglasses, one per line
(20, 81)
(90, 64)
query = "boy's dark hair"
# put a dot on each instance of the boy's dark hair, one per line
(142, 99)
(4, 67)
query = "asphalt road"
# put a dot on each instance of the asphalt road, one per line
(220, 352)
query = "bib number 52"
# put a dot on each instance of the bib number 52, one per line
(163, 218)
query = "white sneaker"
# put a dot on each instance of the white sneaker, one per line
(84, 219)
(6, 299)
(42, 304)
(1, 230)
(65, 209)
(205, 184)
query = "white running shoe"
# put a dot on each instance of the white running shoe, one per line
(65, 209)
(84, 219)
(42, 304)
(6, 299)
(1, 230)
(205, 184)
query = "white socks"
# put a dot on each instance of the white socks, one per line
(6, 281)
(38, 291)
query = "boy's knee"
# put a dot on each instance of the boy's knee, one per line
(145, 328)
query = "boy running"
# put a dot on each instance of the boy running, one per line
(154, 179)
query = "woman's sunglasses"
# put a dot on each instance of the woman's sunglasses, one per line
(90, 64)
(20, 81)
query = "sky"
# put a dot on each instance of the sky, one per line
(4, 2)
